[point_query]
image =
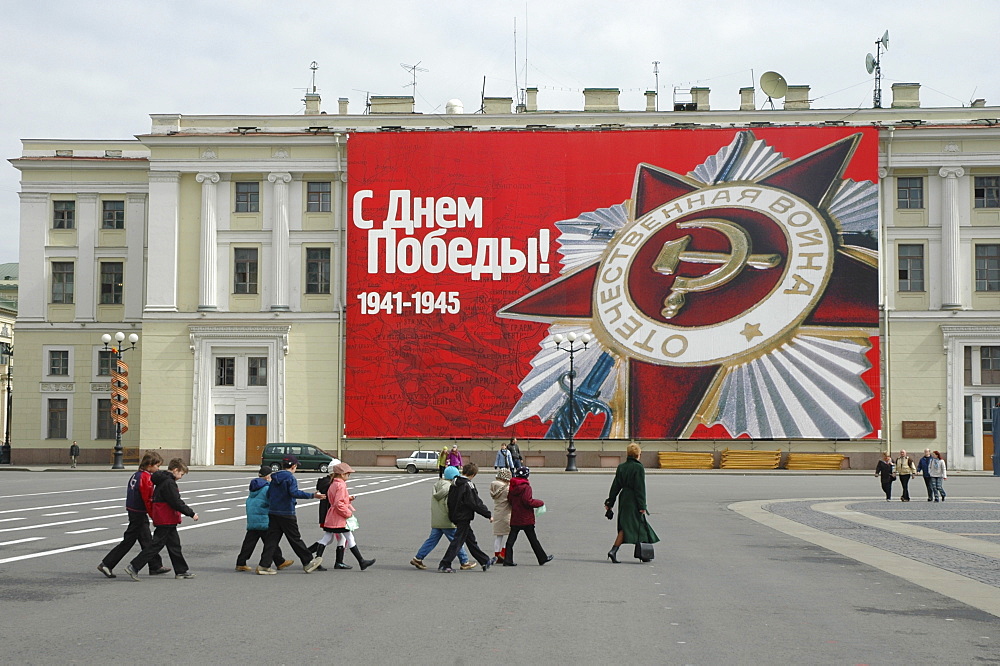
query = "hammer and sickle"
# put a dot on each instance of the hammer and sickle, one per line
(674, 252)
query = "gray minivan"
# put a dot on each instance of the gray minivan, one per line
(310, 457)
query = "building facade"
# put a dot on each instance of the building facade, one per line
(220, 240)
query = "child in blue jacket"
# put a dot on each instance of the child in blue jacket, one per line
(258, 521)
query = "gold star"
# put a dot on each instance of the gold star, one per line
(751, 331)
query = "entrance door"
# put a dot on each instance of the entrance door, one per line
(225, 436)
(256, 437)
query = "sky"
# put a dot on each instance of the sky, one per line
(96, 70)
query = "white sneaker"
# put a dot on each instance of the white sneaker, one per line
(261, 571)
(313, 564)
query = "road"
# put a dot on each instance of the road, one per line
(785, 569)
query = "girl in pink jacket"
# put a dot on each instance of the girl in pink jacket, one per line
(335, 524)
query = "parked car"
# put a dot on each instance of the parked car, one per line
(310, 457)
(418, 460)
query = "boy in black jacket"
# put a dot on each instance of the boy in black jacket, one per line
(463, 505)
(167, 508)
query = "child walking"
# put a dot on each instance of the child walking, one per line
(522, 517)
(501, 513)
(138, 503)
(337, 518)
(441, 526)
(166, 512)
(463, 505)
(258, 521)
(281, 497)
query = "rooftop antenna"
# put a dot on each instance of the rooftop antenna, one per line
(413, 69)
(774, 86)
(656, 74)
(517, 88)
(482, 98)
(313, 66)
(874, 64)
(368, 99)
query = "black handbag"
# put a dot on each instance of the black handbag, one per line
(643, 550)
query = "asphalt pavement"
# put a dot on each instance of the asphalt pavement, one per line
(754, 568)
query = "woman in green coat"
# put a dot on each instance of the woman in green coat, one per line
(630, 487)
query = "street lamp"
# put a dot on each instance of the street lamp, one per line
(7, 352)
(119, 390)
(568, 344)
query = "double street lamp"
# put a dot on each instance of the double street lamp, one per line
(119, 390)
(571, 344)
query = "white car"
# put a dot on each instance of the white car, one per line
(418, 460)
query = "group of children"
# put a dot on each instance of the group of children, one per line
(153, 493)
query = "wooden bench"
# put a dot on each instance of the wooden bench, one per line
(736, 459)
(814, 461)
(686, 460)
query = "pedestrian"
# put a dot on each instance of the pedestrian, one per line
(905, 469)
(886, 471)
(322, 486)
(939, 472)
(74, 451)
(522, 518)
(463, 505)
(515, 452)
(441, 526)
(454, 457)
(340, 521)
(501, 513)
(138, 505)
(258, 521)
(923, 466)
(281, 496)
(629, 487)
(166, 513)
(442, 461)
(504, 458)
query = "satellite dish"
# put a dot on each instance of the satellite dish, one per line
(885, 40)
(773, 85)
(870, 63)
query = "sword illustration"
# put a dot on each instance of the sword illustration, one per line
(570, 417)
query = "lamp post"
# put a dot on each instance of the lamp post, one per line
(119, 390)
(8, 352)
(568, 344)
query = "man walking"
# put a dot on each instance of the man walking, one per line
(924, 467)
(904, 470)
(74, 451)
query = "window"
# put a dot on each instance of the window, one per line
(103, 363)
(318, 270)
(911, 267)
(245, 274)
(989, 363)
(318, 197)
(988, 267)
(63, 214)
(57, 418)
(225, 371)
(909, 193)
(62, 281)
(112, 279)
(105, 424)
(114, 215)
(987, 192)
(225, 420)
(247, 197)
(257, 371)
(256, 419)
(59, 362)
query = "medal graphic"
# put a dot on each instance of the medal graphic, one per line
(743, 295)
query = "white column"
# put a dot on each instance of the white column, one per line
(34, 270)
(952, 271)
(161, 266)
(88, 283)
(208, 300)
(279, 240)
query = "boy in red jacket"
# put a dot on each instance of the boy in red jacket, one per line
(166, 513)
(522, 517)
(138, 500)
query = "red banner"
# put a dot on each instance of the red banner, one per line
(703, 284)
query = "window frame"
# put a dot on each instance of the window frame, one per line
(914, 193)
(105, 425)
(256, 376)
(983, 268)
(62, 364)
(56, 427)
(986, 192)
(247, 196)
(318, 271)
(318, 200)
(223, 373)
(64, 214)
(65, 294)
(910, 283)
(113, 218)
(246, 271)
(112, 291)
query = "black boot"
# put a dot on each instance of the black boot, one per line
(508, 557)
(340, 560)
(314, 547)
(362, 562)
(318, 548)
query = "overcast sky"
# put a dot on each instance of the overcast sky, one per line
(96, 70)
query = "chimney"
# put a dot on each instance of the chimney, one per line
(342, 104)
(797, 98)
(497, 105)
(600, 99)
(700, 98)
(391, 104)
(906, 95)
(651, 100)
(312, 101)
(979, 103)
(747, 100)
(531, 99)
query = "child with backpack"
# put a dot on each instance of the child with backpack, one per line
(166, 512)
(258, 521)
